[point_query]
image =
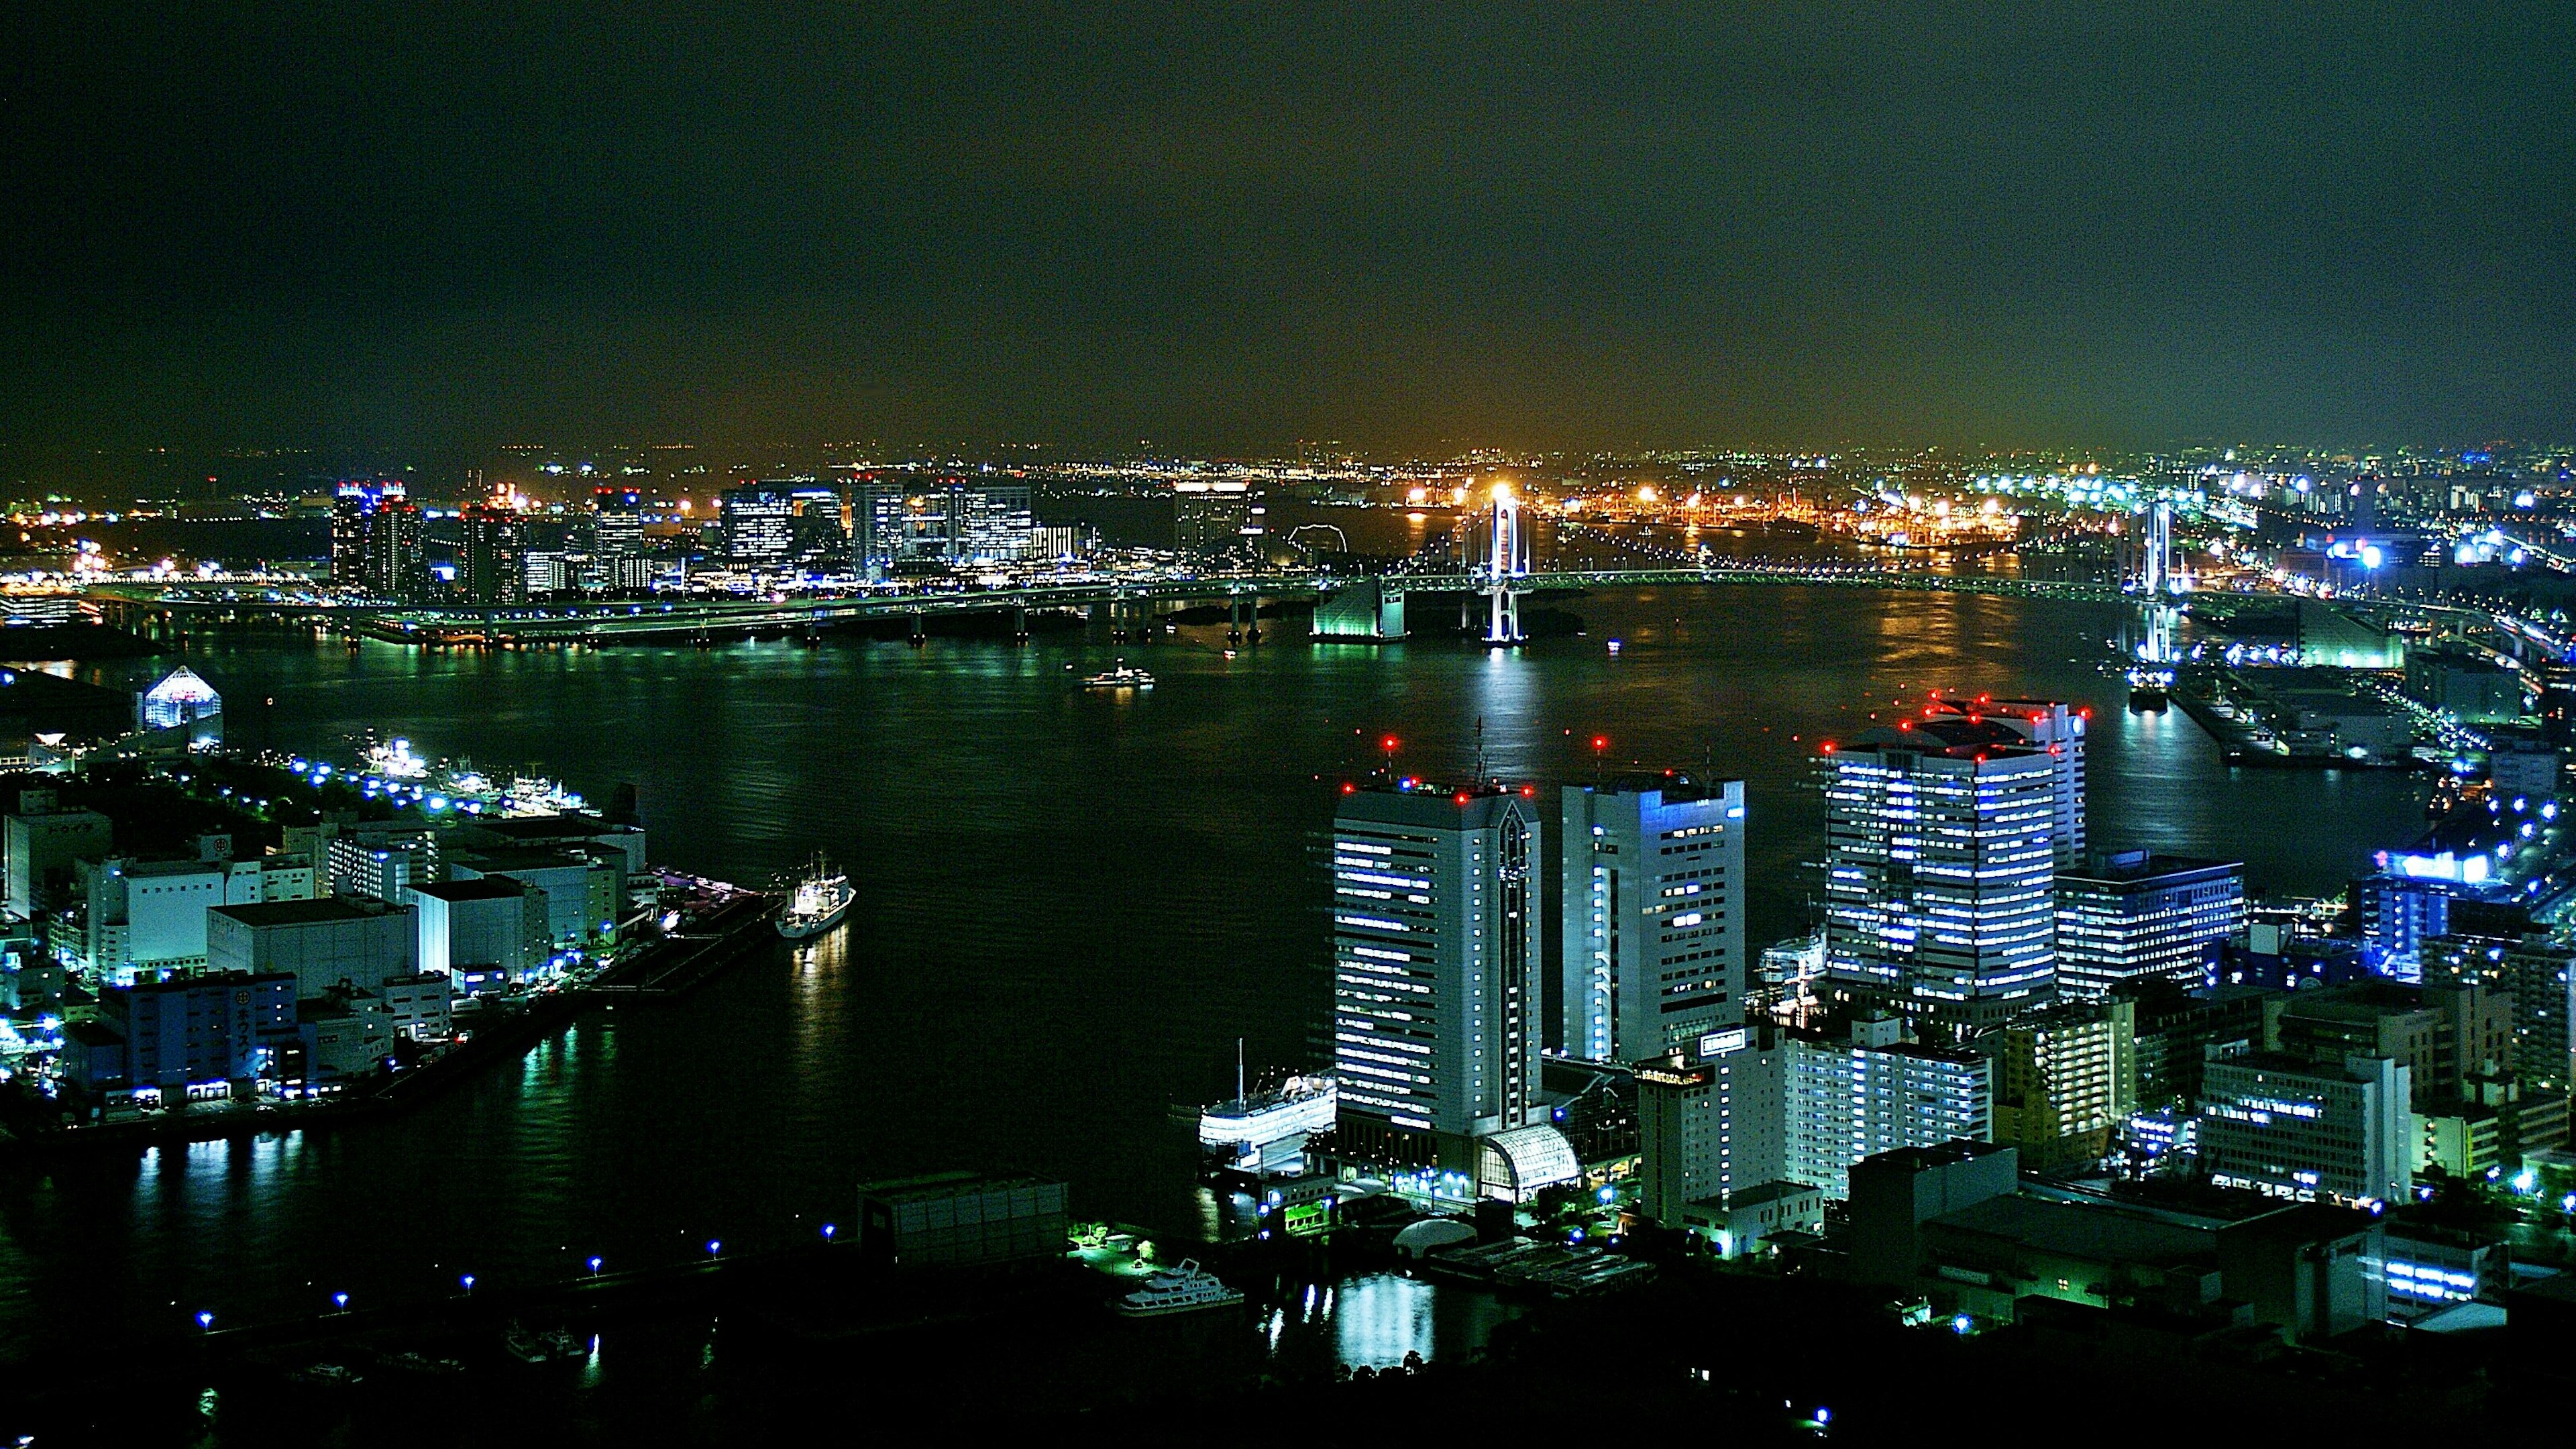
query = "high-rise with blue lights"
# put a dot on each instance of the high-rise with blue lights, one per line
(1652, 886)
(1939, 871)
(1437, 897)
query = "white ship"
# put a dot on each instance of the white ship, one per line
(817, 901)
(1124, 676)
(1265, 1132)
(1185, 1289)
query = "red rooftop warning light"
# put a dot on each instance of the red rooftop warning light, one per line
(1827, 747)
(1349, 789)
(1462, 797)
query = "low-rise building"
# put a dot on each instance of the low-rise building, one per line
(489, 932)
(419, 1006)
(339, 942)
(584, 888)
(44, 840)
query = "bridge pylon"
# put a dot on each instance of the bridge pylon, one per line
(1503, 568)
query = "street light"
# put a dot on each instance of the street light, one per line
(340, 1301)
(468, 1280)
(714, 1246)
(206, 1320)
(594, 1267)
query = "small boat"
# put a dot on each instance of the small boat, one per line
(1185, 1289)
(816, 900)
(326, 1373)
(414, 1361)
(525, 1346)
(562, 1343)
(1121, 676)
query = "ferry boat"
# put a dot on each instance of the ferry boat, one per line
(1185, 1289)
(1264, 1133)
(1122, 676)
(817, 900)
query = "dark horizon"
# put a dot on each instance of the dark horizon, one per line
(1405, 229)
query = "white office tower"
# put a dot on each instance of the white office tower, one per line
(1847, 1100)
(2043, 724)
(2308, 1131)
(1653, 915)
(1436, 969)
(1939, 890)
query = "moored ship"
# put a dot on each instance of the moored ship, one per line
(1264, 1133)
(1185, 1289)
(816, 901)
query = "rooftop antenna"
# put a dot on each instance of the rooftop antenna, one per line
(1389, 744)
(1238, 1069)
(1480, 749)
(1599, 743)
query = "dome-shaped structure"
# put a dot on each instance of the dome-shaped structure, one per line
(1514, 1165)
(1431, 1235)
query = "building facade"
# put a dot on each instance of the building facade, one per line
(1652, 916)
(1876, 1092)
(2128, 915)
(1437, 899)
(2308, 1131)
(1940, 894)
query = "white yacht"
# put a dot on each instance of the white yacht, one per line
(1185, 1289)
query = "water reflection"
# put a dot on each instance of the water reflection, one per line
(1379, 1318)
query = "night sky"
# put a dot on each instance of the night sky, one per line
(1230, 228)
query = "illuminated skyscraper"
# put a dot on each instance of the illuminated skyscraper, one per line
(1217, 520)
(1436, 968)
(759, 526)
(492, 559)
(376, 542)
(617, 537)
(1939, 890)
(1653, 915)
(917, 521)
(2046, 724)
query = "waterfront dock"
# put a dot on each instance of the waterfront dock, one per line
(734, 924)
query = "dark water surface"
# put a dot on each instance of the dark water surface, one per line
(1069, 907)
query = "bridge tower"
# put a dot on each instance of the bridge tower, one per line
(1503, 567)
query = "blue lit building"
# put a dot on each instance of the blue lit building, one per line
(1437, 900)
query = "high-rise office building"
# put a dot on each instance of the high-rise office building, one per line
(1437, 900)
(2128, 915)
(759, 526)
(1939, 885)
(915, 521)
(376, 541)
(617, 538)
(819, 539)
(2043, 724)
(1876, 1092)
(1652, 892)
(492, 557)
(1217, 520)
